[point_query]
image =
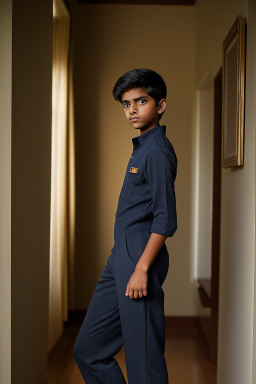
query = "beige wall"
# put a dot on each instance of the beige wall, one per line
(108, 41)
(5, 190)
(237, 253)
(204, 150)
(30, 195)
(213, 21)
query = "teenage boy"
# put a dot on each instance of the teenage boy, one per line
(127, 307)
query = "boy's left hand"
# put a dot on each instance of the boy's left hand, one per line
(137, 285)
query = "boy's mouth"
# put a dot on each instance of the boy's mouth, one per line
(134, 118)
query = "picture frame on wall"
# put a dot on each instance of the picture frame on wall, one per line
(233, 95)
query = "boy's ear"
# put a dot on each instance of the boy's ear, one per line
(161, 106)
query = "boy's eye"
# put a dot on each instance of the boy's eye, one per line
(142, 101)
(126, 105)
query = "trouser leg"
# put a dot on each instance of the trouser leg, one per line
(100, 336)
(142, 320)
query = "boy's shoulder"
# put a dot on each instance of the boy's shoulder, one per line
(162, 144)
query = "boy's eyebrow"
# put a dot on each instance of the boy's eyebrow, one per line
(136, 99)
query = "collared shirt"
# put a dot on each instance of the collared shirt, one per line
(147, 198)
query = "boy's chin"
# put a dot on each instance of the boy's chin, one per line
(137, 125)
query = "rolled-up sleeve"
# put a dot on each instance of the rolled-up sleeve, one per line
(160, 173)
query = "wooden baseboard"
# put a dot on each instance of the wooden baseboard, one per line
(189, 323)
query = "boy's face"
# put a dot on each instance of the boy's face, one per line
(141, 110)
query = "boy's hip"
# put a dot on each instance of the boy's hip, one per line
(128, 248)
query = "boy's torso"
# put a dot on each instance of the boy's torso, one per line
(134, 210)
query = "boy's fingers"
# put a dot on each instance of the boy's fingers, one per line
(127, 290)
(135, 294)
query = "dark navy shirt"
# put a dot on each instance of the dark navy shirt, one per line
(147, 198)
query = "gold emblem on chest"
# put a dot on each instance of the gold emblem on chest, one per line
(134, 170)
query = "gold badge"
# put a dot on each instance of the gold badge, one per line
(134, 170)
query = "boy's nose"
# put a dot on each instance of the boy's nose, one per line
(133, 109)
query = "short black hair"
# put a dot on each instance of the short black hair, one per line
(148, 79)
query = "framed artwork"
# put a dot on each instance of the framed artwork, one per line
(233, 95)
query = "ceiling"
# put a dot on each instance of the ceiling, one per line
(145, 2)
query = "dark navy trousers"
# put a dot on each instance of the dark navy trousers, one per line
(113, 320)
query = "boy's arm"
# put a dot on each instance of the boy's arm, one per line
(137, 285)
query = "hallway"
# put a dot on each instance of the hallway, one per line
(184, 44)
(185, 355)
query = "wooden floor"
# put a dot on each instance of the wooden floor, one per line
(186, 358)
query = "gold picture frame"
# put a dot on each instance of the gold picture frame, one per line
(233, 95)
